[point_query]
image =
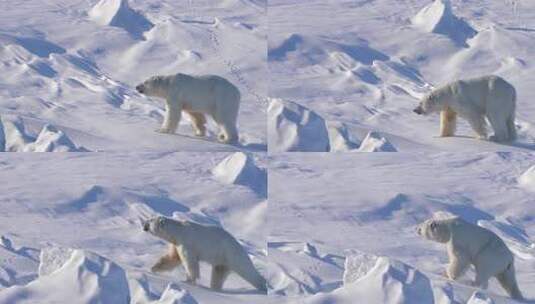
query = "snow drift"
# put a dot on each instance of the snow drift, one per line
(438, 17)
(375, 142)
(527, 179)
(379, 280)
(240, 168)
(82, 275)
(119, 14)
(15, 138)
(292, 127)
(339, 137)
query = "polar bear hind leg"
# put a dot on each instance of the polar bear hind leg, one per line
(248, 272)
(511, 128)
(226, 120)
(168, 261)
(219, 275)
(448, 122)
(479, 125)
(198, 121)
(499, 124)
(508, 281)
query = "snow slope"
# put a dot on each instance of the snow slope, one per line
(367, 63)
(344, 224)
(71, 225)
(74, 65)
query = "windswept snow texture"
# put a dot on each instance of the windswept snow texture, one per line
(343, 225)
(71, 226)
(367, 64)
(74, 65)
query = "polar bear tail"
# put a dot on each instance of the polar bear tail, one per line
(508, 281)
(247, 270)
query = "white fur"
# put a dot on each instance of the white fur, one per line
(191, 243)
(488, 97)
(198, 96)
(470, 244)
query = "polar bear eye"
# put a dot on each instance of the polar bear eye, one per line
(433, 226)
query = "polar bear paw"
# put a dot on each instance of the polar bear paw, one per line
(164, 130)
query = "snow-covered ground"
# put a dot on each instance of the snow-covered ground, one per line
(365, 64)
(74, 65)
(70, 224)
(326, 207)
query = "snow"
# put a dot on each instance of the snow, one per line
(74, 65)
(314, 76)
(239, 168)
(71, 226)
(344, 224)
(527, 179)
(85, 276)
(367, 64)
(292, 127)
(438, 18)
(375, 142)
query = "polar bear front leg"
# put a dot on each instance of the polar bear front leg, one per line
(458, 264)
(191, 265)
(171, 118)
(219, 275)
(448, 122)
(168, 261)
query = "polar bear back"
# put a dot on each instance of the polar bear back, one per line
(484, 93)
(473, 239)
(204, 93)
(212, 244)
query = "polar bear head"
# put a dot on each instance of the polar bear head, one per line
(434, 230)
(432, 103)
(157, 86)
(161, 227)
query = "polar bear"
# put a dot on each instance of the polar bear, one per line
(489, 97)
(191, 243)
(198, 96)
(470, 244)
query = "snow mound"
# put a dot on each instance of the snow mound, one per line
(52, 258)
(14, 138)
(438, 17)
(239, 168)
(310, 50)
(479, 298)
(174, 295)
(357, 265)
(379, 280)
(339, 137)
(119, 14)
(50, 139)
(84, 276)
(527, 179)
(292, 127)
(375, 142)
(18, 263)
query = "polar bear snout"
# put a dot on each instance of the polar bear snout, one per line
(140, 88)
(418, 110)
(146, 226)
(418, 230)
